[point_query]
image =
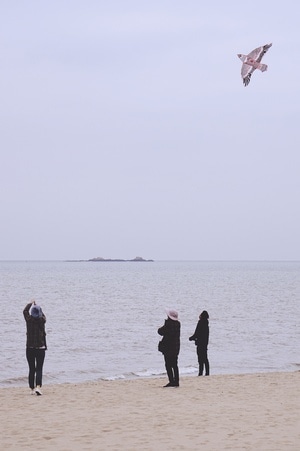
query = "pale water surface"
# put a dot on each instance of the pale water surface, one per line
(102, 318)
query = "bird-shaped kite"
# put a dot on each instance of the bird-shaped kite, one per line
(252, 62)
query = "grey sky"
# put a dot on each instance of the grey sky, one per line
(126, 130)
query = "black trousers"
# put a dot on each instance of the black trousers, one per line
(35, 359)
(171, 363)
(203, 360)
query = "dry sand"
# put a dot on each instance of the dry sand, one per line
(232, 412)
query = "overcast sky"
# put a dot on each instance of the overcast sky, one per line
(126, 130)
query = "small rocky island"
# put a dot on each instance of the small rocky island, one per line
(101, 259)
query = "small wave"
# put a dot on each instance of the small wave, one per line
(148, 373)
(151, 372)
(14, 381)
(188, 370)
(113, 378)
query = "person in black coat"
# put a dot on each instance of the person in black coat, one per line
(201, 337)
(35, 345)
(170, 346)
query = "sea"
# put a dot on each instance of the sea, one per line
(102, 317)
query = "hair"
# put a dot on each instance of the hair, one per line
(204, 315)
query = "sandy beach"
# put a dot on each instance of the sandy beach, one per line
(222, 412)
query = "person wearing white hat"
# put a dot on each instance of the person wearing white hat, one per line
(170, 346)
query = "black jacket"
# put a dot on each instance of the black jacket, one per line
(171, 337)
(36, 335)
(201, 335)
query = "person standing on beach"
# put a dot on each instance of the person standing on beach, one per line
(170, 346)
(201, 337)
(35, 345)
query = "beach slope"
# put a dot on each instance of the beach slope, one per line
(222, 412)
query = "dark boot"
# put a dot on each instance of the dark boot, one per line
(200, 369)
(207, 368)
(176, 377)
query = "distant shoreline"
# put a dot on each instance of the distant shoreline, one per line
(101, 259)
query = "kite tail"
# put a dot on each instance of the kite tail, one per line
(262, 67)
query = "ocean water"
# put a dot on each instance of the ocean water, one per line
(102, 317)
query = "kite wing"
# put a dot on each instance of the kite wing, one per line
(246, 73)
(256, 53)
